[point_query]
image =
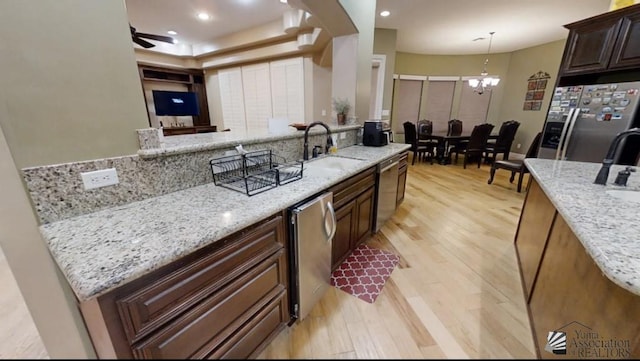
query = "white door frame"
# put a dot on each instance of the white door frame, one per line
(380, 60)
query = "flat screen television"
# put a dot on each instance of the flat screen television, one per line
(175, 103)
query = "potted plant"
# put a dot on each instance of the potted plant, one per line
(342, 107)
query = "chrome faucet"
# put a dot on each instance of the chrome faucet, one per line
(603, 174)
(305, 155)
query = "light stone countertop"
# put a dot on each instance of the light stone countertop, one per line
(100, 251)
(179, 144)
(608, 227)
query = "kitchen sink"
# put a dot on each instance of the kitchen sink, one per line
(332, 163)
(625, 195)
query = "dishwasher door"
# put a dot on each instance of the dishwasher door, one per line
(313, 228)
(387, 190)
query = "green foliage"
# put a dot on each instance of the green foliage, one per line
(341, 105)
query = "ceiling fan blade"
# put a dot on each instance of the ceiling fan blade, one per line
(166, 39)
(142, 43)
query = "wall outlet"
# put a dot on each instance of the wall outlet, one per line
(99, 178)
(324, 113)
(518, 145)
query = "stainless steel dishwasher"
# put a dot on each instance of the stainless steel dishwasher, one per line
(387, 190)
(313, 225)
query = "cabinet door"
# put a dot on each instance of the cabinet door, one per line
(531, 239)
(365, 216)
(345, 230)
(573, 296)
(627, 50)
(589, 46)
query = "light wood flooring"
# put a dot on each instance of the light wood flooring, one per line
(455, 294)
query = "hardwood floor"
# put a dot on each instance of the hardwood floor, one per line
(19, 338)
(456, 292)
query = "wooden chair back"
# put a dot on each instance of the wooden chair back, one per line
(425, 127)
(507, 134)
(455, 127)
(479, 136)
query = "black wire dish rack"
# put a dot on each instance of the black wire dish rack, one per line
(254, 172)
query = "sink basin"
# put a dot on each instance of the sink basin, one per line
(632, 196)
(335, 163)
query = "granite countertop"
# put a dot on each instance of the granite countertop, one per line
(608, 227)
(178, 144)
(100, 251)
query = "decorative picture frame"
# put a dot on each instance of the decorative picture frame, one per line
(536, 85)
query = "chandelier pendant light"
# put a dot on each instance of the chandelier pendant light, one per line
(484, 82)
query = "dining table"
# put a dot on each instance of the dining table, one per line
(444, 140)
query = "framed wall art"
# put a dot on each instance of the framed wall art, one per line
(536, 85)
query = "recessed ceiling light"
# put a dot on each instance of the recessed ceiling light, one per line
(385, 13)
(175, 41)
(171, 32)
(203, 16)
(283, 1)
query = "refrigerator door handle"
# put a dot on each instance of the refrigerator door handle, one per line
(334, 226)
(572, 123)
(562, 134)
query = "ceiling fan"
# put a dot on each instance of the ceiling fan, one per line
(137, 38)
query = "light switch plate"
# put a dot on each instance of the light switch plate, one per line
(99, 178)
(343, 135)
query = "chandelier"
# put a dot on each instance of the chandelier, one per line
(479, 85)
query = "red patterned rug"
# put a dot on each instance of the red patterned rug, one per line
(364, 273)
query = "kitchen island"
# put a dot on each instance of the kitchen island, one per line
(167, 237)
(579, 254)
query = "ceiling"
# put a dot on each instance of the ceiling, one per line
(424, 26)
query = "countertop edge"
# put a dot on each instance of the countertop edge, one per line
(87, 287)
(598, 256)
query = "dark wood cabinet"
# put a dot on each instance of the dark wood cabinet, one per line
(228, 299)
(191, 79)
(536, 219)
(607, 42)
(626, 54)
(568, 291)
(353, 200)
(402, 177)
(345, 236)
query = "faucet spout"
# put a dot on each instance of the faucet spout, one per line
(603, 173)
(305, 154)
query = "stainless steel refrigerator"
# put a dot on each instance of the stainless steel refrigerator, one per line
(583, 120)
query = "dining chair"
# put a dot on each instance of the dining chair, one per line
(516, 166)
(425, 129)
(454, 127)
(474, 148)
(411, 137)
(502, 144)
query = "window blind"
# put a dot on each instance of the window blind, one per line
(439, 101)
(232, 98)
(473, 107)
(408, 103)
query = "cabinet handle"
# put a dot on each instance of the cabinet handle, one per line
(334, 226)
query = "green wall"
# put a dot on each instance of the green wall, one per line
(508, 97)
(525, 63)
(385, 43)
(70, 89)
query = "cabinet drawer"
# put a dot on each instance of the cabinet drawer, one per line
(152, 306)
(211, 322)
(351, 188)
(249, 338)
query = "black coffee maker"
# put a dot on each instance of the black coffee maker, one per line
(374, 135)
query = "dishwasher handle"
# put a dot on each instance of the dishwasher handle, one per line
(334, 222)
(394, 164)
